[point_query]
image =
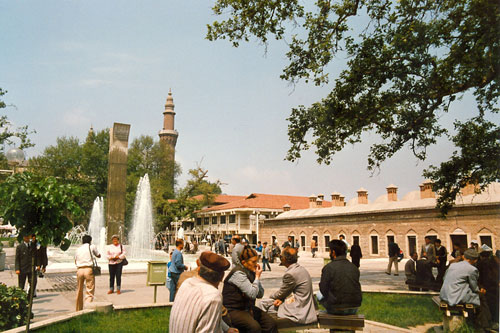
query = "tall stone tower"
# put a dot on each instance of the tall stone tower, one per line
(168, 134)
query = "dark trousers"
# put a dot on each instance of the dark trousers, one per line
(441, 270)
(21, 279)
(265, 262)
(174, 278)
(254, 321)
(355, 261)
(115, 271)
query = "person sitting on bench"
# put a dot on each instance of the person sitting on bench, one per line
(411, 272)
(339, 285)
(300, 307)
(460, 284)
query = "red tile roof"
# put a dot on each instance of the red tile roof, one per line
(221, 198)
(270, 201)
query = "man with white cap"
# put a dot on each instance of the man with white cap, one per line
(460, 284)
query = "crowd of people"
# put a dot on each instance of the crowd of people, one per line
(199, 305)
(471, 277)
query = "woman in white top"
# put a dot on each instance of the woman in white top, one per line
(116, 254)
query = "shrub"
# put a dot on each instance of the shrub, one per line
(13, 307)
(12, 242)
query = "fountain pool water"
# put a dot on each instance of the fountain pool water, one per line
(141, 236)
(97, 230)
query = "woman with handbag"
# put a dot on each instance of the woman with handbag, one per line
(116, 256)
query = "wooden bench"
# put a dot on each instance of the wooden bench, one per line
(454, 316)
(334, 323)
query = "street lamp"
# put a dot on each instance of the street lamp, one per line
(15, 157)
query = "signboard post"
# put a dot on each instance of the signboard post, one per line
(157, 274)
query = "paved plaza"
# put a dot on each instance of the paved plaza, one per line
(57, 290)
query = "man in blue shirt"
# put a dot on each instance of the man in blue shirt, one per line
(176, 268)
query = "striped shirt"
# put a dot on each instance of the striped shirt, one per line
(197, 308)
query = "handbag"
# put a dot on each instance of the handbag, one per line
(96, 269)
(124, 261)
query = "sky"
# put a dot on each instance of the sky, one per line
(70, 65)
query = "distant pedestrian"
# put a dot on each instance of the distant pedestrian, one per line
(41, 259)
(288, 243)
(411, 272)
(393, 258)
(356, 254)
(116, 254)
(428, 250)
(266, 255)
(314, 247)
(24, 252)
(237, 249)
(258, 248)
(441, 258)
(342, 238)
(84, 274)
(177, 267)
(297, 245)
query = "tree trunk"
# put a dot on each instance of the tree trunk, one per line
(32, 285)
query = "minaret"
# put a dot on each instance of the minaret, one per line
(168, 134)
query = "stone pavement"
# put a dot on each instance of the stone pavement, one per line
(57, 290)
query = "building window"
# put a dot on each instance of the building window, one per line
(315, 237)
(222, 219)
(390, 239)
(214, 219)
(486, 240)
(355, 240)
(232, 218)
(412, 244)
(374, 239)
(206, 221)
(303, 242)
(198, 220)
(327, 241)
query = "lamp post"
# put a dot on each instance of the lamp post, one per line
(15, 157)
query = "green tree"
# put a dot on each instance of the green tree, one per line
(40, 206)
(8, 134)
(406, 65)
(82, 165)
(147, 156)
(197, 193)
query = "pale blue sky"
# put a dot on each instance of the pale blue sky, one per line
(68, 64)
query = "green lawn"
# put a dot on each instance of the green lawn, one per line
(400, 310)
(393, 309)
(144, 321)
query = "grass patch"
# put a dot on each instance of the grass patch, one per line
(144, 320)
(393, 309)
(400, 310)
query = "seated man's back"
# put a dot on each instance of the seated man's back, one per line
(294, 300)
(461, 282)
(339, 283)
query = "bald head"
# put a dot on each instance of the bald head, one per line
(289, 256)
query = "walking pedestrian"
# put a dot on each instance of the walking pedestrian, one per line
(116, 254)
(84, 274)
(24, 253)
(266, 255)
(393, 258)
(176, 268)
(356, 254)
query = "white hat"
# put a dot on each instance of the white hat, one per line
(474, 241)
(486, 248)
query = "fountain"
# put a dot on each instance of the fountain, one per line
(141, 236)
(97, 230)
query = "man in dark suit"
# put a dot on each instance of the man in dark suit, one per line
(23, 262)
(441, 258)
(411, 272)
(356, 254)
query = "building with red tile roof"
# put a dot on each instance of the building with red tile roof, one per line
(239, 215)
